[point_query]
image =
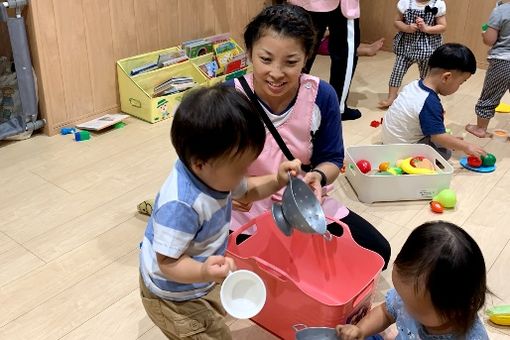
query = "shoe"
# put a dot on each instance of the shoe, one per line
(351, 114)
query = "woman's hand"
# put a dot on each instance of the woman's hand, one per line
(313, 179)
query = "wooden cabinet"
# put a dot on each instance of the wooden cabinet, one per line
(75, 44)
(464, 17)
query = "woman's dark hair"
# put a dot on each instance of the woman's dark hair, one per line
(285, 20)
(444, 260)
(213, 122)
(453, 57)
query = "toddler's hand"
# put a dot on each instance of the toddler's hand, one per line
(475, 150)
(412, 28)
(217, 267)
(240, 206)
(288, 166)
(349, 332)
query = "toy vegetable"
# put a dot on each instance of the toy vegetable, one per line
(447, 198)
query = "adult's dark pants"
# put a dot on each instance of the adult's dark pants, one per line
(344, 39)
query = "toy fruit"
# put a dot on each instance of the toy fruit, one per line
(395, 171)
(416, 159)
(499, 315)
(488, 160)
(436, 207)
(406, 166)
(447, 198)
(474, 161)
(364, 166)
(384, 166)
(374, 123)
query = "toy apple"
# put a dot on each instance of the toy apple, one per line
(364, 166)
(474, 161)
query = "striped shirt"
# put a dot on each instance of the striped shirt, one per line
(189, 218)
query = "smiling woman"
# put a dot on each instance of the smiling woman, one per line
(305, 112)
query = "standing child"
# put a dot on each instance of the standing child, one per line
(420, 24)
(417, 115)
(440, 284)
(217, 134)
(497, 78)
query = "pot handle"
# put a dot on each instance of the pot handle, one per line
(299, 327)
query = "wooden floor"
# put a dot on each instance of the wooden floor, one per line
(69, 230)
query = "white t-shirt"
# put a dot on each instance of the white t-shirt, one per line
(416, 113)
(403, 5)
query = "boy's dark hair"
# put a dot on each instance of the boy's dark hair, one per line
(213, 122)
(286, 20)
(453, 57)
(445, 261)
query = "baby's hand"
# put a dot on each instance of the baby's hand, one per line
(349, 332)
(419, 21)
(288, 166)
(412, 28)
(217, 267)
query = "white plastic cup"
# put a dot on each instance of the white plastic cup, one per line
(243, 294)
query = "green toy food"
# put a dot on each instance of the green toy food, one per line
(447, 198)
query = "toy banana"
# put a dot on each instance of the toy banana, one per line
(406, 166)
(500, 315)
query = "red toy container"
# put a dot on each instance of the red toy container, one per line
(309, 280)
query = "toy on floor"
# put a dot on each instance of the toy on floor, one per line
(81, 136)
(488, 160)
(446, 198)
(145, 207)
(500, 315)
(503, 108)
(376, 123)
(436, 207)
(67, 131)
(500, 135)
(483, 165)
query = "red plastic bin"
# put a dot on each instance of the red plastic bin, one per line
(309, 280)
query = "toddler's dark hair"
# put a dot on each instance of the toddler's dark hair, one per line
(285, 20)
(215, 122)
(441, 258)
(453, 57)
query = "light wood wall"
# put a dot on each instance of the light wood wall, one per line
(75, 44)
(464, 17)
